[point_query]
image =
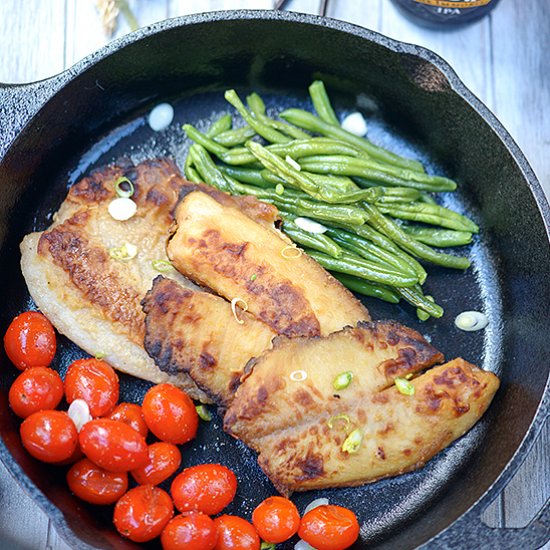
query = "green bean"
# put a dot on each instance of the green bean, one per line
(432, 214)
(310, 122)
(207, 169)
(392, 195)
(340, 183)
(441, 238)
(255, 104)
(418, 249)
(200, 138)
(262, 129)
(245, 175)
(422, 314)
(369, 250)
(223, 124)
(190, 173)
(318, 242)
(415, 297)
(337, 213)
(389, 175)
(360, 286)
(362, 269)
(238, 136)
(427, 198)
(321, 103)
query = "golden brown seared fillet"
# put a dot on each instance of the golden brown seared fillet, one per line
(225, 250)
(93, 299)
(288, 410)
(298, 374)
(197, 333)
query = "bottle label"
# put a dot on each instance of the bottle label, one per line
(454, 3)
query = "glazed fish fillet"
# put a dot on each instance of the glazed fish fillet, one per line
(299, 424)
(197, 333)
(95, 300)
(223, 249)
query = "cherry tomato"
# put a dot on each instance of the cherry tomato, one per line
(170, 414)
(130, 414)
(276, 519)
(143, 512)
(207, 488)
(192, 532)
(94, 484)
(164, 460)
(95, 382)
(329, 527)
(235, 533)
(50, 436)
(113, 445)
(30, 341)
(35, 389)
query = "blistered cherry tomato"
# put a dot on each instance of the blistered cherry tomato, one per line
(329, 527)
(113, 445)
(94, 484)
(130, 414)
(35, 389)
(143, 512)
(95, 382)
(276, 519)
(50, 436)
(164, 460)
(206, 488)
(170, 414)
(192, 532)
(235, 533)
(30, 341)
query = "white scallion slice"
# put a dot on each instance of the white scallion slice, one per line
(79, 413)
(404, 386)
(298, 375)
(291, 252)
(161, 117)
(310, 226)
(471, 321)
(342, 380)
(162, 265)
(124, 188)
(124, 253)
(234, 309)
(293, 163)
(342, 420)
(315, 504)
(122, 208)
(355, 124)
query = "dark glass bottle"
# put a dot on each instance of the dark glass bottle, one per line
(443, 14)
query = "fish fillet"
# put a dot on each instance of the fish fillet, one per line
(96, 300)
(225, 250)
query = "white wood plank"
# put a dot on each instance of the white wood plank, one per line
(186, 7)
(32, 46)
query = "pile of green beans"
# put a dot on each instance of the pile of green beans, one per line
(377, 209)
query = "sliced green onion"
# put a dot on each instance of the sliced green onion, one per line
(343, 380)
(404, 386)
(253, 277)
(123, 253)
(352, 443)
(120, 191)
(234, 310)
(267, 546)
(204, 413)
(338, 418)
(279, 189)
(99, 355)
(162, 265)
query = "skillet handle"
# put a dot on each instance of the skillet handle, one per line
(20, 102)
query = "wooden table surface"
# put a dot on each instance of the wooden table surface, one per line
(504, 59)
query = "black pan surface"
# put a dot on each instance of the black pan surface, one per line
(100, 116)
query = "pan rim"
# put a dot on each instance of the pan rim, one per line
(64, 78)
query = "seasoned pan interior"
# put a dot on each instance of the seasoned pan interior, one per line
(412, 109)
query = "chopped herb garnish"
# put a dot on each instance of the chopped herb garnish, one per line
(204, 413)
(253, 277)
(234, 310)
(100, 355)
(123, 253)
(343, 380)
(353, 442)
(342, 419)
(404, 386)
(124, 188)
(279, 189)
(162, 265)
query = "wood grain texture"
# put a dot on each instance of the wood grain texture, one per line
(503, 59)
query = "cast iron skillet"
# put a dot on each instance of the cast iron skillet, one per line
(55, 131)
